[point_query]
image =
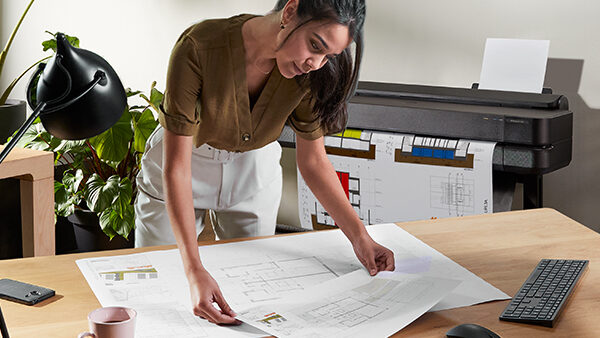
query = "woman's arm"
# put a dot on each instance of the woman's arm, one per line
(320, 176)
(177, 179)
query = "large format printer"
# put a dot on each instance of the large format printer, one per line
(533, 131)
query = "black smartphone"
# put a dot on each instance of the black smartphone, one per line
(22, 292)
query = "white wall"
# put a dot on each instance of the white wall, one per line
(409, 41)
(134, 36)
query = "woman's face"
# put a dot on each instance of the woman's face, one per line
(310, 46)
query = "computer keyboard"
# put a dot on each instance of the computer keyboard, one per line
(544, 294)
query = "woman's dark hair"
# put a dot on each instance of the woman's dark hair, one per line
(335, 83)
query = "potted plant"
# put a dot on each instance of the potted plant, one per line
(98, 184)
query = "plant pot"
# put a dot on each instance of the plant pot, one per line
(89, 236)
(65, 237)
(12, 115)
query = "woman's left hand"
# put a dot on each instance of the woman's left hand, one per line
(373, 256)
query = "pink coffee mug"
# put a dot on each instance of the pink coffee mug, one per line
(111, 322)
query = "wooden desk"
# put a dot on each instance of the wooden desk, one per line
(501, 248)
(35, 169)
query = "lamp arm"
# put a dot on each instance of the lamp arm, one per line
(99, 77)
(21, 131)
(32, 82)
(3, 329)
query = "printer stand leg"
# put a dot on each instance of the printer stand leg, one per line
(532, 191)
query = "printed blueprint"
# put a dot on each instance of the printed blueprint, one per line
(258, 272)
(354, 305)
(391, 177)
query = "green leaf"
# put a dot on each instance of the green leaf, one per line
(112, 223)
(127, 222)
(72, 182)
(66, 146)
(123, 199)
(156, 97)
(51, 44)
(64, 201)
(54, 142)
(44, 141)
(73, 40)
(61, 199)
(130, 92)
(99, 195)
(143, 128)
(112, 145)
(112, 164)
(119, 216)
(30, 134)
(78, 160)
(57, 186)
(107, 218)
(135, 116)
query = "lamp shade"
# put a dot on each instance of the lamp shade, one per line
(84, 94)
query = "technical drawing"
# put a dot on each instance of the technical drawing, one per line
(351, 186)
(270, 280)
(354, 307)
(358, 183)
(359, 192)
(389, 190)
(344, 310)
(454, 193)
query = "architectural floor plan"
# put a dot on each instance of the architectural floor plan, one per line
(270, 280)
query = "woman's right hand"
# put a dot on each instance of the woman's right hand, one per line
(205, 291)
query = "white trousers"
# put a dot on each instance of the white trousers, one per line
(242, 190)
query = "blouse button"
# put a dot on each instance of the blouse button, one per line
(246, 137)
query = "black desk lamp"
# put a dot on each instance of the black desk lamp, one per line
(78, 95)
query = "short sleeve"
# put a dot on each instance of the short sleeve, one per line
(304, 121)
(177, 112)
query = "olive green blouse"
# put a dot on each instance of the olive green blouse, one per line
(206, 95)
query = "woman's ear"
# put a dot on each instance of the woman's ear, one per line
(288, 14)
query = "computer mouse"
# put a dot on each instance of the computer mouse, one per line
(470, 331)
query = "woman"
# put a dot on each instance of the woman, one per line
(232, 84)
